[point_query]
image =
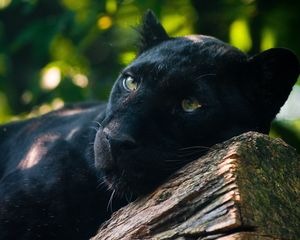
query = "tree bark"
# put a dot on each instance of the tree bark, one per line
(245, 188)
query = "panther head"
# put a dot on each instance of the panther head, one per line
(179, 97)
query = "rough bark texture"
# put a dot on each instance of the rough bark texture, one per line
(245, 188)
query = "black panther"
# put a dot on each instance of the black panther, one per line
(61, 172)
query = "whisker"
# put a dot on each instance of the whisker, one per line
(206, 75)
(193, 147)
(109, 205)
(99, 124)
(101, 185)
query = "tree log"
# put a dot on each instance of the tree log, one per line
(245, 188)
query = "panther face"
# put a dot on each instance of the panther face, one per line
(179, 97)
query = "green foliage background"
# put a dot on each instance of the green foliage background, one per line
(58, 51)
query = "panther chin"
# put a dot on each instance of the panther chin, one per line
(125, 179)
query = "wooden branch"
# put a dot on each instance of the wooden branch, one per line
(245, 188)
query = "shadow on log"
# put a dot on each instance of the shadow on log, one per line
(245, 188)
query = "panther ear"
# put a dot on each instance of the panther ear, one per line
(273, 74)
(151, 32)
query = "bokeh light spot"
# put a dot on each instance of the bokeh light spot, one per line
(104, 22)
(268, 39)
(240, 36)
(80, 80)
(4, 3)
(57, 103)
(44, 109)
(127, 57)
(176, 24)
(51, 78)
(111, 6)
(26, 97)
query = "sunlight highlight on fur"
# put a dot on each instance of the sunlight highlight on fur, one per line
(36, 152)
(194, 38)
(72, 133)
(68, 112)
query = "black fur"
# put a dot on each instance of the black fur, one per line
(61, 172)
(151, 32)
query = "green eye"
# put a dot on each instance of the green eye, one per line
(190, 104)
(130, 84)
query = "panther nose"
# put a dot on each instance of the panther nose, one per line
(121, 142)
